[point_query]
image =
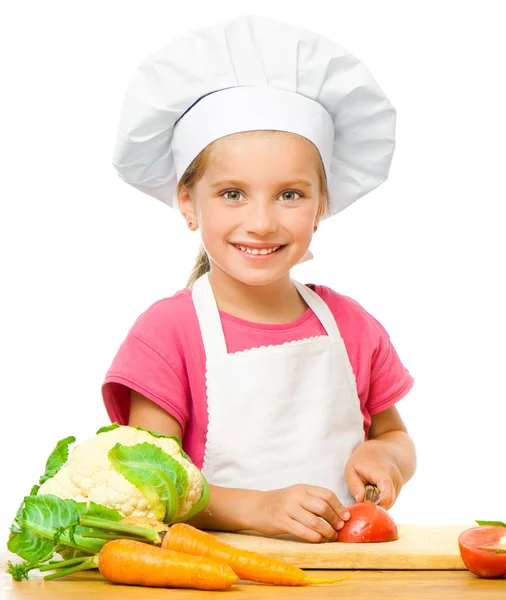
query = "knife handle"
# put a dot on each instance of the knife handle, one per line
(372, 494)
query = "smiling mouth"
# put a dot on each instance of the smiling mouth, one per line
(261, 251)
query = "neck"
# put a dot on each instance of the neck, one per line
(276, 302)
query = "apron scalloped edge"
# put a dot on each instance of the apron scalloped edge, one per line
(283, 345)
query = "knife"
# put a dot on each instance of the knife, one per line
(372, 494)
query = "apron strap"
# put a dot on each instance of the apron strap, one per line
(321, 310)
(209, 319)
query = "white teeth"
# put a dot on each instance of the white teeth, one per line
(257, 251)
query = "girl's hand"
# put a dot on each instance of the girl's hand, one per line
(306, 511)
(371, 463)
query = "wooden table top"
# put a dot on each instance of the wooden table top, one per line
(426, 585)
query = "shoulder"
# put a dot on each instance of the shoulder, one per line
(165, 315)
(349, 312)
(382, 379)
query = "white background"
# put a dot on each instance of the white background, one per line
(83, 254)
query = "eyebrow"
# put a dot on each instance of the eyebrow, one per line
(238, 183)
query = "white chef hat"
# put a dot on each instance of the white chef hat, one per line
(252, 73)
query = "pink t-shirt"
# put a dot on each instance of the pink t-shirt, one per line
(163, 359)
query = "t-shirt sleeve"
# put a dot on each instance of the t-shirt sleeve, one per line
(151, 362)
(390, 379)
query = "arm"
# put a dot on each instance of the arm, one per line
(387, 458)
(388, 429)
(309, 512)
(227, 509)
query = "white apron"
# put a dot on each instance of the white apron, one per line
(279, 415)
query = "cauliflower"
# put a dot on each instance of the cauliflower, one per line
(131, 470)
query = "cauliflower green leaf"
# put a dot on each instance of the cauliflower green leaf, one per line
(45, 525)
(108, 428)
(151, 432)
(162, 480)
(200, 505)
(169, 437)
(98, 511)
(57, 458)
(54, 463)
(40, 527)
(17, 524)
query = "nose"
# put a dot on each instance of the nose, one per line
(260, 217)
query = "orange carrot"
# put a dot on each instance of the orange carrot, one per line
(137, 563)
(182, 537)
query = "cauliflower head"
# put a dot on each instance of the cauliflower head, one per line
(133, 471)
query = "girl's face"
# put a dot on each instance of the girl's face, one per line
(257, 204)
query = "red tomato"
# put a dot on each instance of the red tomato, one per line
(481, 562)
(368, 523)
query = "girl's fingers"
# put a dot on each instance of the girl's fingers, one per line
(332, 501)
(390, 484)
(303, 532)
(356, 484)
(394, 488)
(386, 490)
(319, 507)
(312, 522)
(386, 479)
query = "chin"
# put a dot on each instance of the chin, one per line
(259, 280)
(255, 279)
(258, 277)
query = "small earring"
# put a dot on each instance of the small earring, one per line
(315, 228)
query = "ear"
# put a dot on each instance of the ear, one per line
(187, 208)
(316, 222)
(320, 213)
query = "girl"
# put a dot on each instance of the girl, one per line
(283, 394)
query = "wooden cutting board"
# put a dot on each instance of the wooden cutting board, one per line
(419, 547)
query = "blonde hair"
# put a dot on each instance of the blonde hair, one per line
(195, 172)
